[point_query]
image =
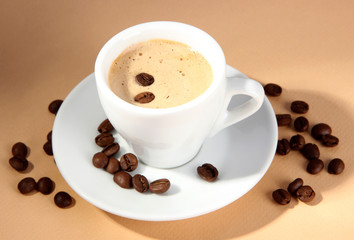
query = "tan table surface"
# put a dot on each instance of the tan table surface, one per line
(307, 47)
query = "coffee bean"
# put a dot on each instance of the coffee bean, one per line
(144, 79)
(336, 166)
(105, 126)
(305, 193)
(62, 199)
(295, 185)
(297, 142)
(48, 149)
(49, 136)
(301, 124)
(299, 107)
(272, 89)
(283, 119)
(19, 149)
(310, 151)
(283, 147)
(19, 163)
(104, 139)
(319, 130)
(113, 165)
(54, 106)
(144, 97)
(315, 166)
(111, 149)
(160, 186)
(99, 160)
(128, 162)
(140, 183)
(123, 179)
(26, 185)
(208, 172)
(281, 196)
(45, 185)
(329, 140)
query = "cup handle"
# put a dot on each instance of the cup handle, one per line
(239, 86)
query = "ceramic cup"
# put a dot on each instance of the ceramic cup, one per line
(170, 137)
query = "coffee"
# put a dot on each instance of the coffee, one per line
(310, 151)
(305, 193)
(281, 196)
(105, 126)
(140, 183)
(26, 185)
(315, 166)
(172, 71)
(299, 107)
(19, 149)
(283, 119)
(295, 185)
(128, 162)
(63, 199)
(45, 185)
(297, 142)
(301, 124)
(319, 130)
(283, 147)
(336, 166)
(208, 172)
(160, 186)
(272, 89)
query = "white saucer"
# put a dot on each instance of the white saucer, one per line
(242, 153)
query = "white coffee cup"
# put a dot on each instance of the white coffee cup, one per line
(170, 137)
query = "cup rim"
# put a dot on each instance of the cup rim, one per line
(104, 86)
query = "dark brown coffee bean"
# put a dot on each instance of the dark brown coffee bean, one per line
(336, 166)
(160, 186)
(297, 142)
(295, 185)
(19, 149)
(299, 107)
(319, 130)
(128, 162)
(45, 185)
(54, 106)
(99, 160)
(310, 151)
(26, 185)
(315, 166)
(62, 199)
(305, 193)
(104, 139)
(272, 89)
(19, 163)
(105, 126)
(208, 172)
(281, 196)
(113, 165)
(123, 179)
(111, 149)
(283, 147)
(301, 124)
(140, 183)
(329, 140)
(144, 79)
(49, 136)
(48, 149)
(283, 119)
(144, 97)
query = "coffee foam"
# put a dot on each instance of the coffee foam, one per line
(180, 73)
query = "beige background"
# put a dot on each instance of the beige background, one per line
(48, 47)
